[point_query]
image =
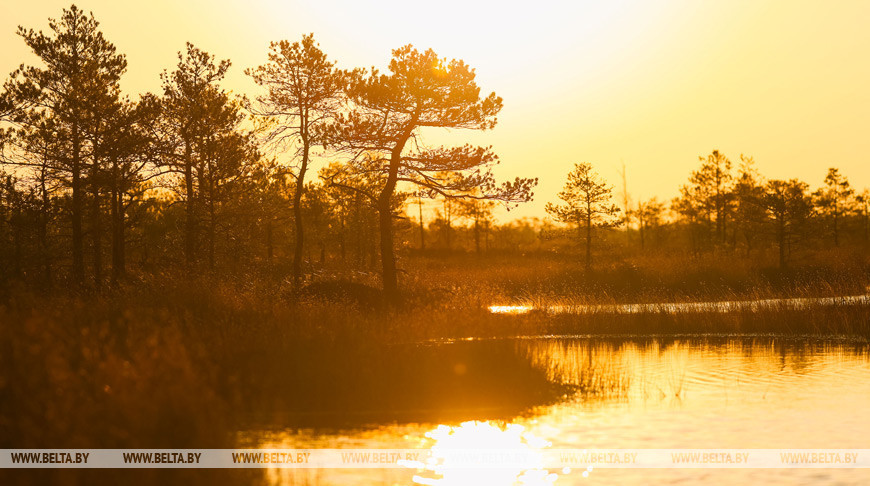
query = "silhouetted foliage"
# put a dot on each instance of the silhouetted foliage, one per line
(834, 201)
(587, 204)
(304, 91)
(421, 91)
(77, 88)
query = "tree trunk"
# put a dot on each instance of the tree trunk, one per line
(422, 228)
(114, 201)
(118, 216)
(78, 263)
(341, 241)
(781, 238)
(17, 222)
(358, 241)
(297, 215)
(269, 246)
(388, 257)
(96, 226)
(385, 219)
(866, 225)
(476, 234)
(208, 173)
(211, 227)
(190, 216)
(588, 233)
(640, 230)
(588, 242)
(122, 243)
(44, 255)
(447, 215)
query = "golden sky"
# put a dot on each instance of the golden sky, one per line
(649, 84)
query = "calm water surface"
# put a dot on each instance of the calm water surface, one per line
(740, 393)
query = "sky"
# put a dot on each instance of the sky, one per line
(651, 85)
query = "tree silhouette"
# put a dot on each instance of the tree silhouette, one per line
(80, 78)
(304, 89)
(790, 209)
(131, 156)
(713, 180)
(185, 127)
(648, 216)
(421, 91)
(749, 212)
(834, 201)
(34, 145)
(480, 214)
(354, 196)
(588, 204)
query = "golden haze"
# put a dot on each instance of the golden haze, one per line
(650, 84)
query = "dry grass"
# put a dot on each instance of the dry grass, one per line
(172, 362)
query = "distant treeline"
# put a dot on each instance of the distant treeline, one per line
(95, 183)
(732, 211)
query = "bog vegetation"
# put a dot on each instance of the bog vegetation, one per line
(325, 171)
(158, 253)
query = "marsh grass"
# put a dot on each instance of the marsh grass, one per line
(178, 361)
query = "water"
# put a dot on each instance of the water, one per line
(688, 307)
(737, 393)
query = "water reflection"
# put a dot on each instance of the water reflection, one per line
(343, 385)
(612, 394)
(453, 451)
(686, 307)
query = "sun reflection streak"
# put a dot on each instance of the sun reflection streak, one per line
(687, 307)
(476, 453)
(510, 309)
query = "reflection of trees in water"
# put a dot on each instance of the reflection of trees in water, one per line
(343, 384)
(592, 368)
(667, 367)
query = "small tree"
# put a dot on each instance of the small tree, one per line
(421, 91)
(479, 213)
(304, 90)
(749, 212)
(648, 216)
(790, 209)
(354, 196)
(713, 181)
(834, 201)
(588, 204)
(688, 205)
(187, 93)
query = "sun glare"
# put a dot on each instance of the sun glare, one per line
(476, 453)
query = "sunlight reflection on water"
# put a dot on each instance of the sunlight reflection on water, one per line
(454, 450)
(683, 307)
(662, 393)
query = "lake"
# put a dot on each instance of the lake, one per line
(749, 392)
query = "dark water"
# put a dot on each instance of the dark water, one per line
(739, 393)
